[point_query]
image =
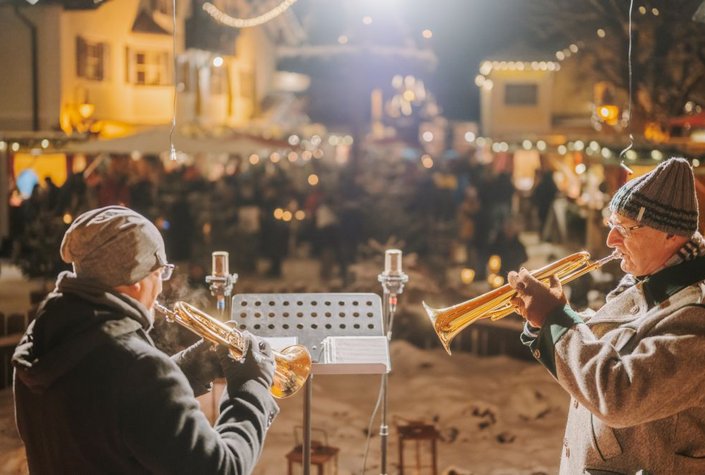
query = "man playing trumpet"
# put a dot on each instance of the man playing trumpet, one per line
(633, 369)
(92, 392)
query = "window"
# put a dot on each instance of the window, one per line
(521, 94)
(162, 6)
(148, 67)
(91, 59)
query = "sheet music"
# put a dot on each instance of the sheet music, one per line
(358, 350)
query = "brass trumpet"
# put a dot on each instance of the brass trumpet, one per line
(293, 363)
(449, 321)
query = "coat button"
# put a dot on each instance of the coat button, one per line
(634, 310)
(537, 353)
(575, 403)
(567, 449)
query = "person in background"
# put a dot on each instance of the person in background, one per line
(633, 369)
(92, 393)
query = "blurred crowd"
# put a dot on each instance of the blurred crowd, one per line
(456, 212)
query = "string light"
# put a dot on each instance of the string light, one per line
(227, 20)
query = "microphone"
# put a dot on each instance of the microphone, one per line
(221, 281)
(392, 262)
(392, 280)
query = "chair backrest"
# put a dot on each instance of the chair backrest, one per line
(319, 437)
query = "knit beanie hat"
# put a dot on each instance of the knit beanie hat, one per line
(663, 199)
(114, 246)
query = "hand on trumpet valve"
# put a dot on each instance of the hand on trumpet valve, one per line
(534, 301)
(256, 364)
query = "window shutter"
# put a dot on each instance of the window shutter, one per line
(80, 57)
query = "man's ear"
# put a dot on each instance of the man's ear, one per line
(133, 290)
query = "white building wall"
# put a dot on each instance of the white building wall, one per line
(114, 97)
(499, 118)
(16, 67)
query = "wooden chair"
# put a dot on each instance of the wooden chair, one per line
(322, 454)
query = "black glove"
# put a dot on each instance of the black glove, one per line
(200, 365)
(257, 363)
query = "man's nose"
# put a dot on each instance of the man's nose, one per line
(614, 237)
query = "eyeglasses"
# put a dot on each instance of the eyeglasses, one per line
(166, 271)
(625, 231)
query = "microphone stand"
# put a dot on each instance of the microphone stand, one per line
(392, 285)
(221, 283)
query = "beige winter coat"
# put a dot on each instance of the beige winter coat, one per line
(636, 374)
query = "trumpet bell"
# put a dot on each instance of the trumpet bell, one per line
(293, 365)
(450, 321)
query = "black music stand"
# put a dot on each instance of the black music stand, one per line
(344, 333)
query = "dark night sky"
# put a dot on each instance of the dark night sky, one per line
(464, 33)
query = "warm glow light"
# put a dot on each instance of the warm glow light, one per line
(233, 22)
(656, 155)
(608, 113)
(218, 61)
(367, 20)
(275, 157)
(3, 145)
(469, 137)
(15, 146)
(486, 68)
(696, 162)
(206, 229)
(480, 80)
(254, 159)
(300, 215)
(409, 95)
(427, 136)
(580, 168)
(427, 33)
(67, 218)
(601, 33)
(562, 149)
(541, 145)
(287, 216)
(293, 156)
(294, 140)
(313, 179)
(526, 144)
(343, 40)
(631, 155)
(426, 161)
(494, 264)
(467, 276)
(278, 213)
(86, 110)
(45, 143)
(495, 280)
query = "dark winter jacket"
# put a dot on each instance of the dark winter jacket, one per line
(93, 395)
